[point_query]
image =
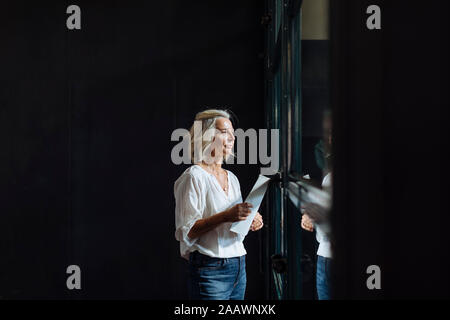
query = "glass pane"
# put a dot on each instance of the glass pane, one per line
(315, 86)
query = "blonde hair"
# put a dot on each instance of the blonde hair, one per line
(208, 120)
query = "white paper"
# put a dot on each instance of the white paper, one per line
(255, 198)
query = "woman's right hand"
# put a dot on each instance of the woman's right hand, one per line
(238, 212)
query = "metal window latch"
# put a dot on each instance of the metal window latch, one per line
(275, 177)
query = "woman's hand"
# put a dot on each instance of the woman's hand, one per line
(238, 212)
(257, 223)
(307, 223)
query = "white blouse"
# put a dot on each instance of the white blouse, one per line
(323, 229)
(198, 195)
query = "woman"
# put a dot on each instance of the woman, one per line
(324, 252)
(208, 200)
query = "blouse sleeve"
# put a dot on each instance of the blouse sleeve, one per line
(238, 200)
(189, 207)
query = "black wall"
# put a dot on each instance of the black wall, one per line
(315, 100)
(86, 118)
(391, 113)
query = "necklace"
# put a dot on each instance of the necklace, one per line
(217, 176)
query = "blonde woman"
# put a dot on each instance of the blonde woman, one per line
(208, 200)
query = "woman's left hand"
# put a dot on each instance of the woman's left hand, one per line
(257, 223)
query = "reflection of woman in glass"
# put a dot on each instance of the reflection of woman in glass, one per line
(208, 200)
(324, 254)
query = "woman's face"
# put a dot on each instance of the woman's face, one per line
(224, 135)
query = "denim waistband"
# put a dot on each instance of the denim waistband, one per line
(197, 256)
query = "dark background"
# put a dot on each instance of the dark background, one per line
(390, 99)
(86, 119)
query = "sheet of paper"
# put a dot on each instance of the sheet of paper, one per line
(255, 198)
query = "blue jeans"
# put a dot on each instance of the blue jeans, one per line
(323, 278)
(216, 278)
